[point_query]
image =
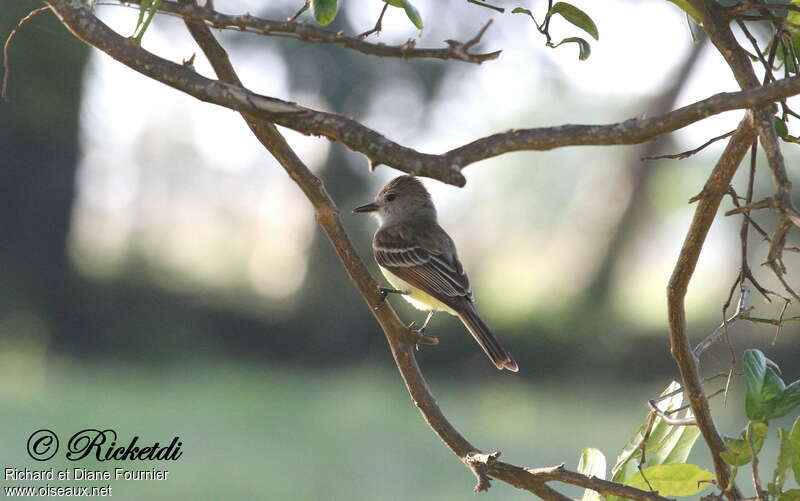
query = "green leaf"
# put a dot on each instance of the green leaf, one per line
(413, 14)
(667, 405)
(780, 127)
(673, 479)
(773, 386)
(794, 438)
(785, 455)
(666, 444)
(395, 3)
(793, 17)
(678, 445)
(788, 400)
(324, 10)
(757, 432)
(790, 495)
(592, 463)
(575, 16)
(584, 45)
(520, 10)
(737, 452)
(620, 470)
(754, 364)
(687, 8)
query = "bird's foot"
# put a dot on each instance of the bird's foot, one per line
(385, 291)
(418, 336)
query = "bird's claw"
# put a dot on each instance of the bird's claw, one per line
(418, 336)
(385, 291)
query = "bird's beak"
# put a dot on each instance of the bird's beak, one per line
(370, 207)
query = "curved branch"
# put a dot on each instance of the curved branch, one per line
(377, 148)
(401, 344)
(709, 201)
(311, 34)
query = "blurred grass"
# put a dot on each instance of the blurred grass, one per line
(253, 432)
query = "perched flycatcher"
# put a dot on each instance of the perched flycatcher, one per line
(420, 261)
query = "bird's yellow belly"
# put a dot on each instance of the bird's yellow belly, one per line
(417, 297)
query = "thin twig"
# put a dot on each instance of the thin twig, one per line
(487, 5)
(680, 390)
(754, 463)
(771, 321)
(727, 375)
(774, 259)
(745, 273)
(310, 34)
(463, 48)
(6, 66)
(686, 154)
(740, 8)
(768, 76)
(670, 420)
(779, 322)
(741, 309)
(767, 203)
(768, 17)
(304, 8)
(378, 25)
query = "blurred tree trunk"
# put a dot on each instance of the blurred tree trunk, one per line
(640, 174)
(39, 145)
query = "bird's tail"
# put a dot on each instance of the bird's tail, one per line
(480, 331)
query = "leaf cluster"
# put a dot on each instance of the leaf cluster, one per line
(572, 14)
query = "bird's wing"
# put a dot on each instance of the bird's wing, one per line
(425, 257)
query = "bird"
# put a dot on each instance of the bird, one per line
(419, 259)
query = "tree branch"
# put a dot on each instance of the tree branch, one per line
(6, 66)
(377, 148)
(312, 34)
(397, 335)
(715, 188)
(721, 35)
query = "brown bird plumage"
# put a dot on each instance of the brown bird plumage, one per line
(412, 247)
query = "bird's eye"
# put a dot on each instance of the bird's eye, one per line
(390, 197)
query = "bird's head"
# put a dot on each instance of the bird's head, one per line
(402, 198)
